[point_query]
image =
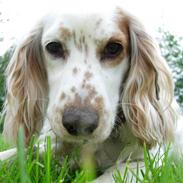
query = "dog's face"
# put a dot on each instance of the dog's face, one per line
(87, 66)
(86, 60)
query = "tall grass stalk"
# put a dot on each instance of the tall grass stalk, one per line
(21, 156)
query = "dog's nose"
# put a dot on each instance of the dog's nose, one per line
(80, 121)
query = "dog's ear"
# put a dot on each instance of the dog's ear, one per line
(26, 88)
(148, 90)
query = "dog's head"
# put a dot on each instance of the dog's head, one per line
(76, 70)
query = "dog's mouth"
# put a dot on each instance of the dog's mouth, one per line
(77, 139)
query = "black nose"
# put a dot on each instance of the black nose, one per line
(80, 121)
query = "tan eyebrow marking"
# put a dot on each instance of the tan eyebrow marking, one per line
(120, 38)
(123, 24)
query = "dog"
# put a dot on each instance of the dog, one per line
(97, 81)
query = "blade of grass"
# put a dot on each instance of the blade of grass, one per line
(37, 166)
(21, 156)
(64, 170)
(48, 159)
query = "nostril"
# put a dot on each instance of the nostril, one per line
(80, 121)
(91, 128)
(71, 128)
(70, 121)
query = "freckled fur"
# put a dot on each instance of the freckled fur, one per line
(65, 33)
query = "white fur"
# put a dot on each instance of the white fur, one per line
(105, 80)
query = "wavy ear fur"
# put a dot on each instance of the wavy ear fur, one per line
(26, 88)
(148, 92)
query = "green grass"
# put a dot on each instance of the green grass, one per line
(30, 167)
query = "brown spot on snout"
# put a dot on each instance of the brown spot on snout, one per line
(84, 83)
(62, 97)
(75, 71)
(77, 101)
(73, 89)
(88, 75)
(92, 93)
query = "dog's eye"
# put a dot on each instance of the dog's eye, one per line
(55, 49)
(112, 50)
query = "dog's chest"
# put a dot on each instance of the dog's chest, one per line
(108, 153)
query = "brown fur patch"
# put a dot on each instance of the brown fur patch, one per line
(80, 42)
(123, 24)
(91, 92)
(84, 83)
(75, 71)
(77, 102)
(116, 38)
(122, 38)
(63, 95)
(65, 33)
(88, 75)
(99, 103)
(73, 89)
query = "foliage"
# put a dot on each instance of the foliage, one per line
(172, 50)
(157, 169)
(3, 64)
(30, 166)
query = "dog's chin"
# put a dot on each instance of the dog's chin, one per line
(95, 138)
(90, 139)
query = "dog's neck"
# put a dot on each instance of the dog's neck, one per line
(104, 154)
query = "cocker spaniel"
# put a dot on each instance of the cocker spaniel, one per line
(95, 81)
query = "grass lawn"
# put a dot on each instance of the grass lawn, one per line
(29, 167)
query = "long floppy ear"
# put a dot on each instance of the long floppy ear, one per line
(26, 88)
(148, 92)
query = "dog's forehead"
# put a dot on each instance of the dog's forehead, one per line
(92, 25)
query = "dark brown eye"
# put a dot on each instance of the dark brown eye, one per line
(112, 50)
(55, 49)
